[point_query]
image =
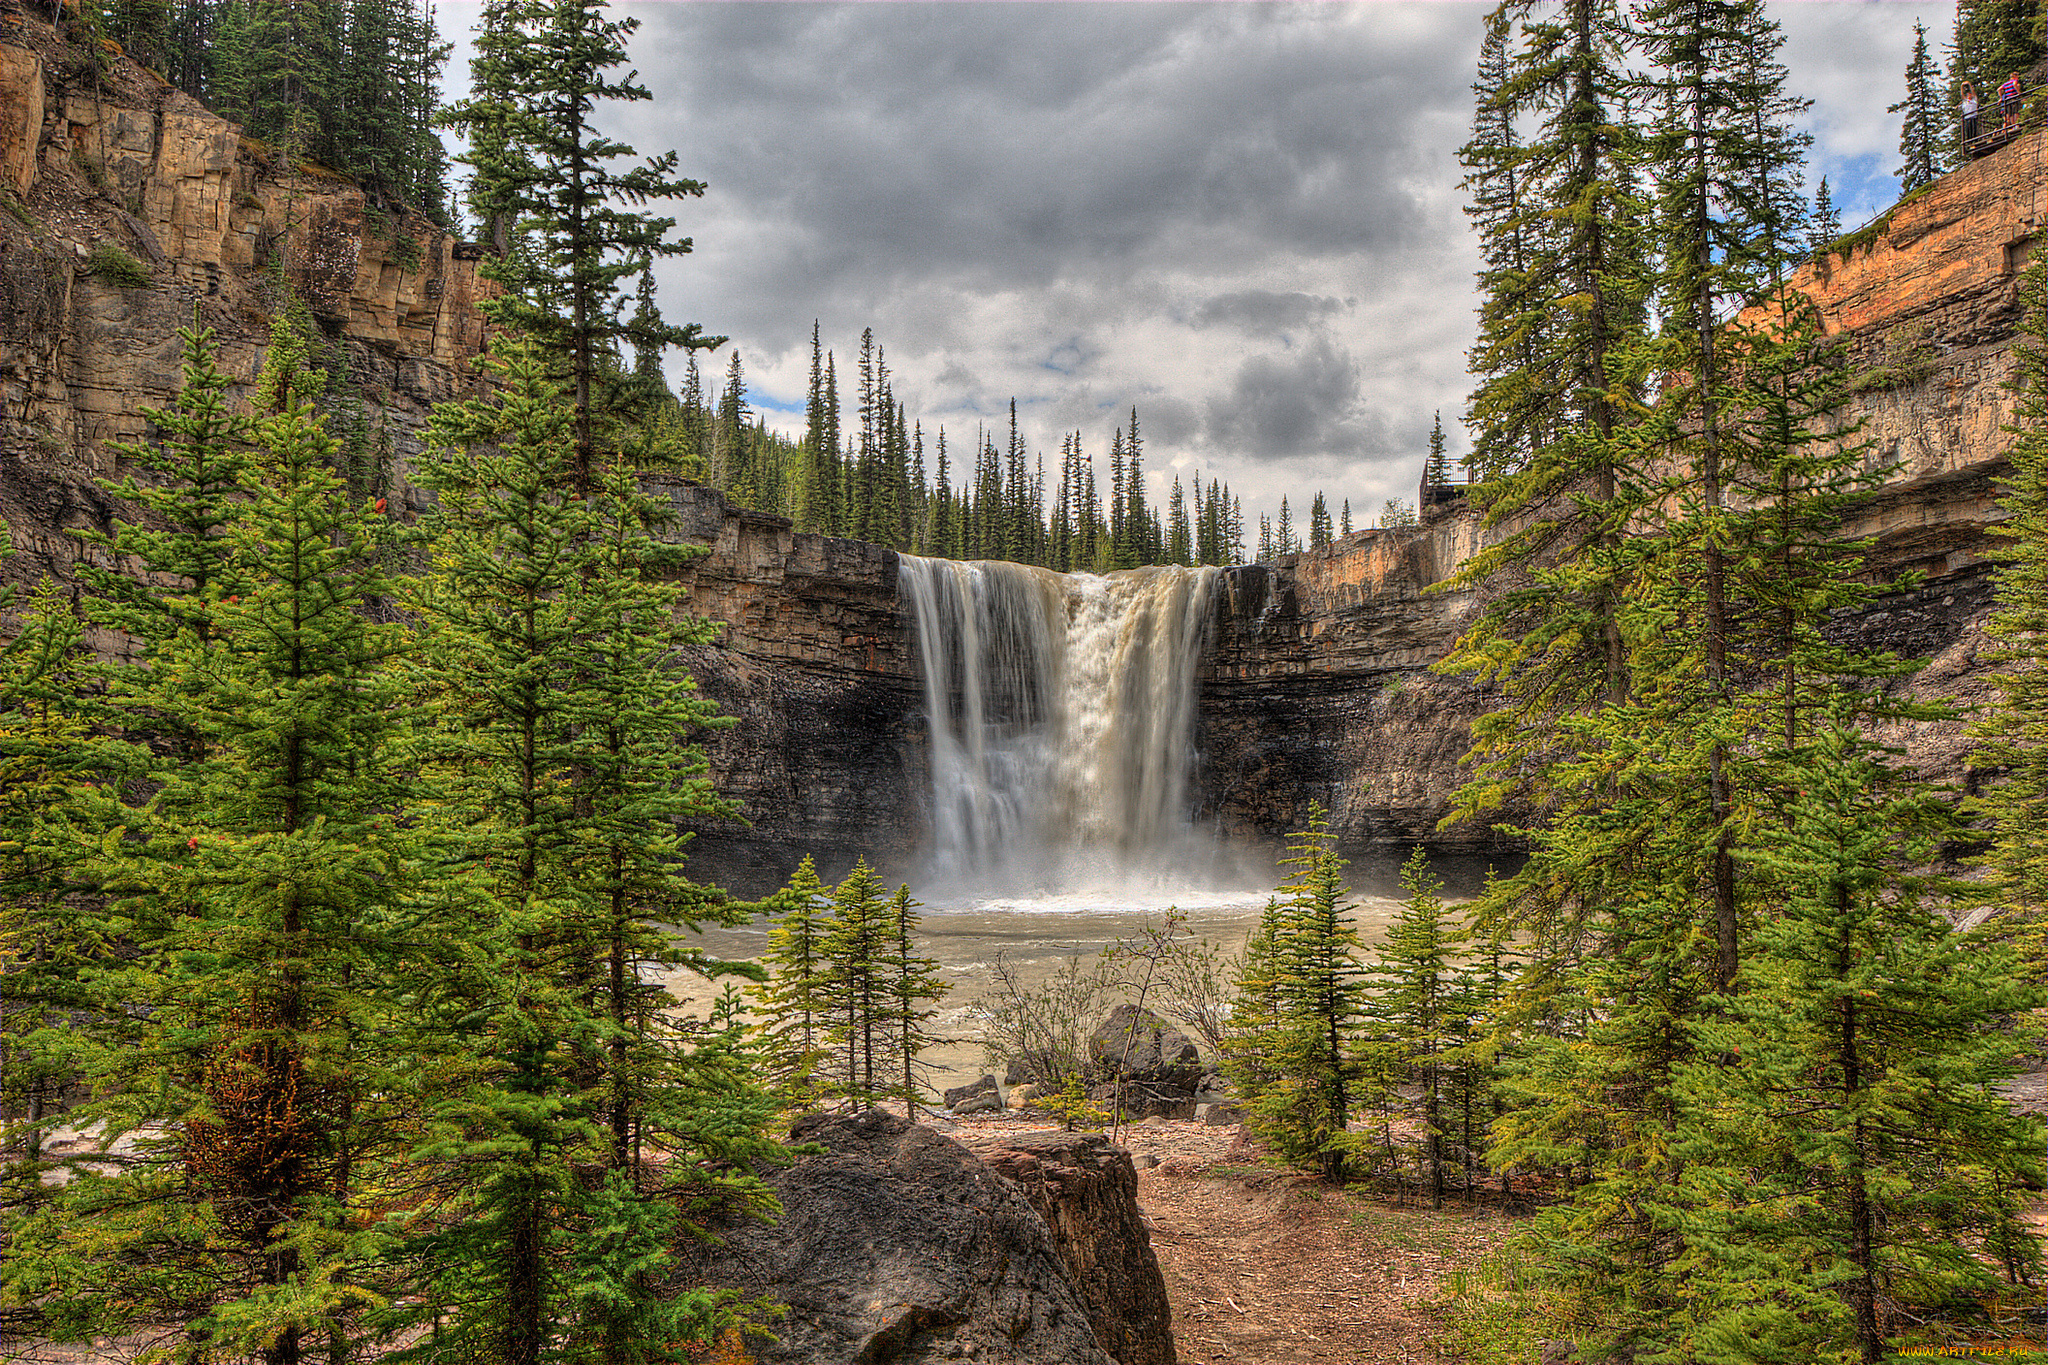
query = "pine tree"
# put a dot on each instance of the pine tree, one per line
(1415, 1002)
(1304, 994)
(1179, 540)
(1344, 520)
(1283, 531)
(539, 77)
(1318, 523)
(561, 759)
(1437, 472)
(2013, 738)
(1861, 1154)
(1827, 220)
(250, 872)
(48, 948)
(860, 987)
(913, 981)
(1921, 131)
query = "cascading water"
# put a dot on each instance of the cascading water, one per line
(1062, 722)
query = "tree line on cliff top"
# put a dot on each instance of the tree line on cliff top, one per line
(347, 898)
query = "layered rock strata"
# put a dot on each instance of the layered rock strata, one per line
(120, 159)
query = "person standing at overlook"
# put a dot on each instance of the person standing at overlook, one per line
(2009, 103)
(1969, 105)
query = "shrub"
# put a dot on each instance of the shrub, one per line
(110, 265)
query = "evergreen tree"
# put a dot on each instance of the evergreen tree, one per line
(860, 987)
(1344, 520)
(2013, 738)
(1318, 523)
(793, 1005)
(1283, 531)
(561, 759)
(1437, 472)
(1860, 1155)
(1301, 996)
(1179, 540)
(1827, 220)
(914, 981)
(538, 80)
(1921, 131)
(250, 872)
(1415, 1002)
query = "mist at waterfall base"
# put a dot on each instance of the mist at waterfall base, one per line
(1061, 714)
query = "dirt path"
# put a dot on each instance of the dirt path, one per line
(1286, 1273)
(1264, 1268)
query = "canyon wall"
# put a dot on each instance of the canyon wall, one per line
(1316, 682)
(121, 160)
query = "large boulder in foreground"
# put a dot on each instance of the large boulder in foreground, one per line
(1086, 1190)
(898, 1244)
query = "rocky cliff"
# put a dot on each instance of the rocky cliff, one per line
(95, 162)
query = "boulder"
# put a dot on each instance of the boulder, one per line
(1022, 1094)
(985, 1086)
(1219, 1114)
(980, 1102)
(1086, 1190)
(1139, 1045)
(898, 1244)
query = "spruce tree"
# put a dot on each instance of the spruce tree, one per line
(1414, 1004)
(1861, 1155)
(1921, 129)
(2013, 737)
(538, 82)
(914, 981)
(1827, 220)
(1318, 523)
(1436, 473)
(860, 988)
(561, 759)
(1302, 993)
(251, 871)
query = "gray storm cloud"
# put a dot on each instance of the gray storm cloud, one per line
(1242, 218)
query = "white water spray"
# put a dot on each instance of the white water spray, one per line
(1062, 723)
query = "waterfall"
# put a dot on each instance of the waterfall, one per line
(1062, 721)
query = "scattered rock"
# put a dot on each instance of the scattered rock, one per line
(1022, 1094)
(899, 1244)
(985, 1086)
(1138, 1045)
(983, 1102)
(1218, 1114)
(1086, 1189)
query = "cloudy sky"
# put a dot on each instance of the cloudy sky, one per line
(1243, 219)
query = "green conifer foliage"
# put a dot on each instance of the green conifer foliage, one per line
(47, 946)
(1301, 996)
(794, 1004)
(253, 889)
(1921, 131)
(1415, 1003)
(541, 166)
(1858, 1166)
(2013, 737)
(562, 759)
(1827, 219)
